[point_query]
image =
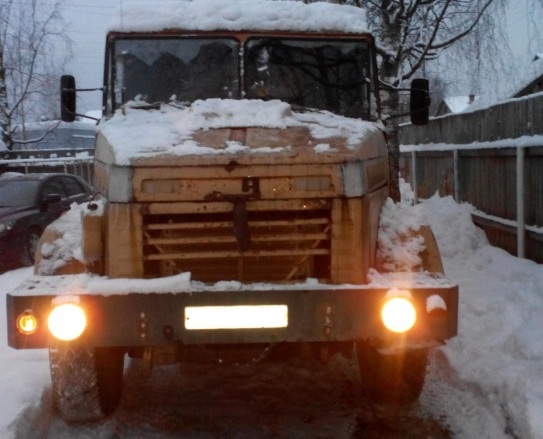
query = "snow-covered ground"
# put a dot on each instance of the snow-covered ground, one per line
(485, 383)
(497, 389)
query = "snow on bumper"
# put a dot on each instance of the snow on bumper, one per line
(196, 317)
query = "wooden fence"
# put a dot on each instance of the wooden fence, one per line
(491, 158)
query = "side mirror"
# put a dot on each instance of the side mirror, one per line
(420, 101)
(67, 98)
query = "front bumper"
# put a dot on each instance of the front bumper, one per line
(314, 315)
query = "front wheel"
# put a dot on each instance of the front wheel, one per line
(392, 379)
(87, 382)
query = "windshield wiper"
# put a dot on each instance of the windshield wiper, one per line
(303, 109)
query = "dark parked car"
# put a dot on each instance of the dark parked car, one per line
(30, 202)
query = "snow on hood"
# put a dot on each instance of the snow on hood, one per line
(263, 15)
(135, 133)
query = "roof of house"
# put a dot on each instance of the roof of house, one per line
(458, 104)
(534, 86)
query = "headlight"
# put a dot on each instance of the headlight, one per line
(399, 314)
(5, 226)
(67, 321)
(27, 323)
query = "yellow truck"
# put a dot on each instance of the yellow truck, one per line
(242, 169)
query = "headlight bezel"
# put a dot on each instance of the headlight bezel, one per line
(21, 322)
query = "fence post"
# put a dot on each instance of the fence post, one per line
(520, 203)
(414, 175)
(456, 176)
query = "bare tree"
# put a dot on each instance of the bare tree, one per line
(32, 38)
(410, 33)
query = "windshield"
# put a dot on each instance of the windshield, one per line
(18, 193)
(333, 75)
(327, 75)
(179, 70)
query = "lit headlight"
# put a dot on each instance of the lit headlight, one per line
(27, 323)
(399, 314)
(67, 321)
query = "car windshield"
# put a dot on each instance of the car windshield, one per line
(18, 193)
(333, 75)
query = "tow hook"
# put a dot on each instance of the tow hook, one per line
(240, 219)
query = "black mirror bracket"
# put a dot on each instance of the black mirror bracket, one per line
(68, 99)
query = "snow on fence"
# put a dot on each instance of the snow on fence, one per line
(78, 162)
(491, 158)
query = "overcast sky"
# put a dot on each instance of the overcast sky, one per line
(526, 31)
(88, 22)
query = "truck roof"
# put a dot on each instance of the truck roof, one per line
(228, 15)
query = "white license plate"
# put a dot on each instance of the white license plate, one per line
(236, 317)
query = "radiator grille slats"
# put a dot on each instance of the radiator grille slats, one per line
(285, 246)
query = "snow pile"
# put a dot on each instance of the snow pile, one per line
(497, 356)
(67, 245)
(135, 133)
(66, 248)
(452, 223)
(207, 15)
(399, 245)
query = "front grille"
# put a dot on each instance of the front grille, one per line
(284, 246)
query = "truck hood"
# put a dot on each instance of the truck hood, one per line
(240, 130)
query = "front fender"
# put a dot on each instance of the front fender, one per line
(71, 244)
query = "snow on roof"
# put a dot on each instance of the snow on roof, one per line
(263, 15)
(458, 104)
(169, 131)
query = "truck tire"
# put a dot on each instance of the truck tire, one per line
(87, 382)
(392, 379)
